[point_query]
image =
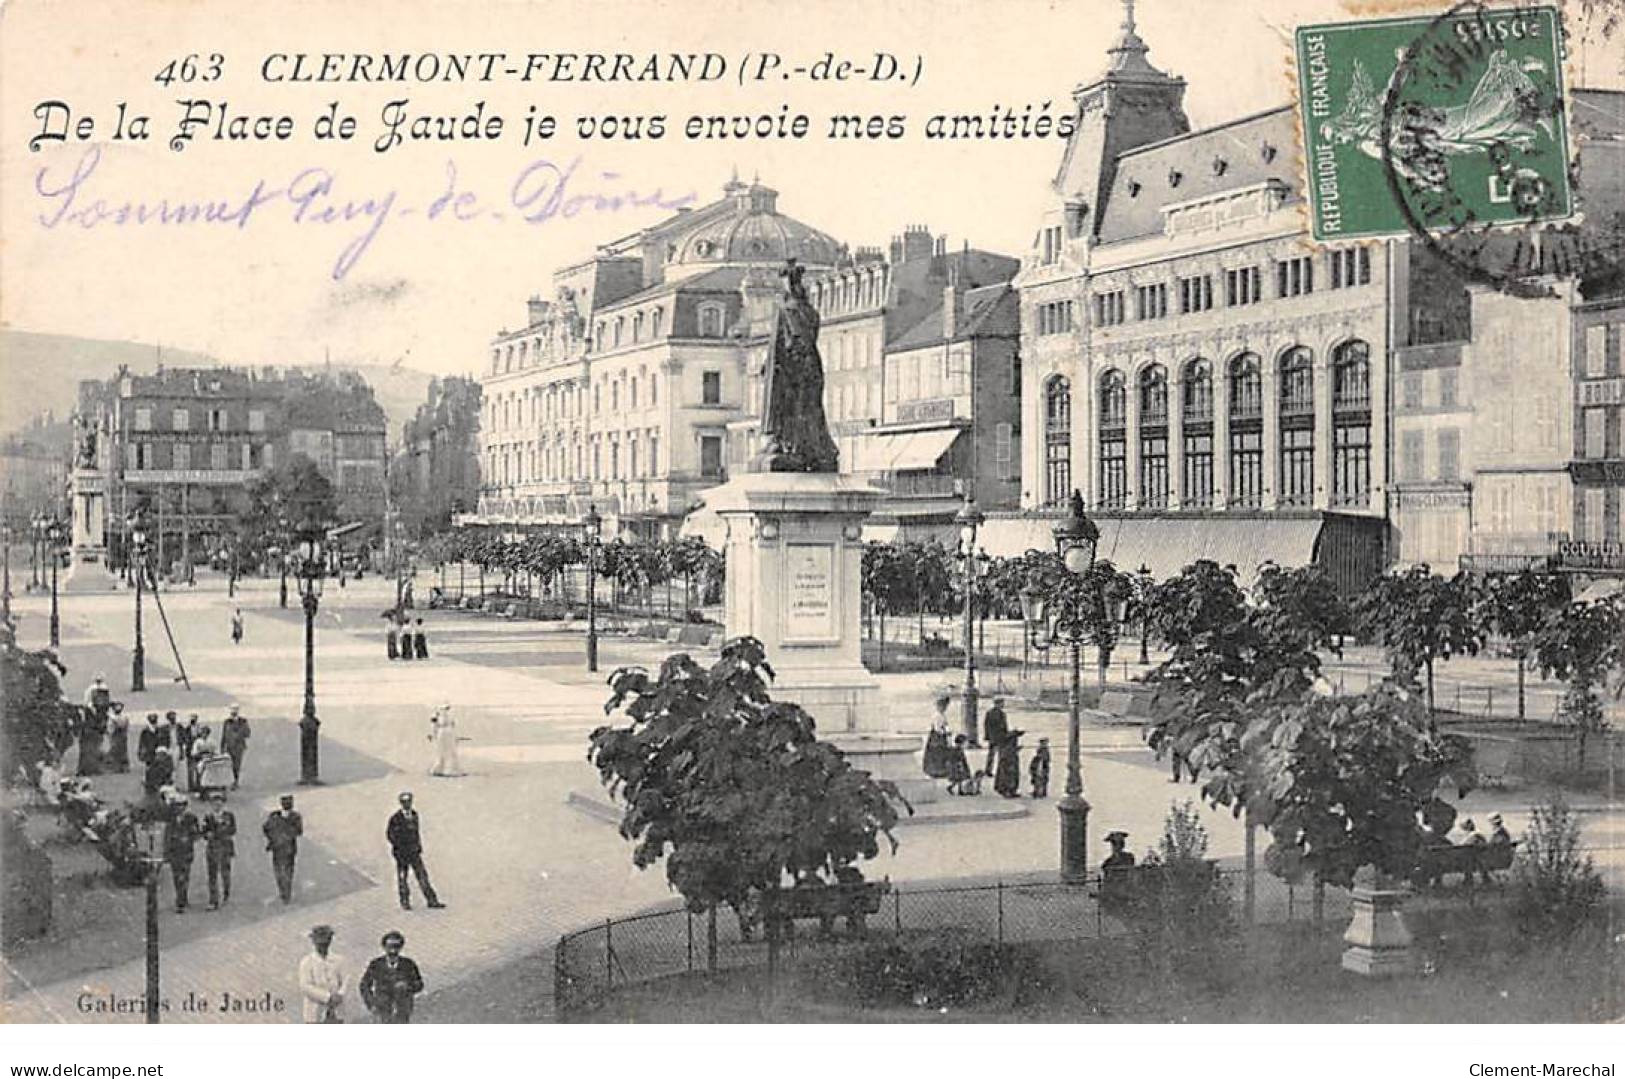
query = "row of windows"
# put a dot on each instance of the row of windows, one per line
(537, 406)
(215, 419)
(1055, 317)
(221, 456)
(1351, 387)
(1412, 466)
(837, 295)
(1293, 277)
(1351, 469)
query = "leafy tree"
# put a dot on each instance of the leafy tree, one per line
(1583, 644)
(1302, 607)
(1345, 779)
(37, 718)
(1420, 617)
(731, 788)
(885, 583)
(1554, 886)
(1518, 606)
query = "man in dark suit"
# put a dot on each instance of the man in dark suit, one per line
(180, 848)
(234, 742)
(405, 836)
(282, 828)
(160, 771)
(995, 728)
(390, 982)
(152, 736)
(219, 829)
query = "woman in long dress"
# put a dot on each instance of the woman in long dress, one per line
(937, 749)
(443, 733)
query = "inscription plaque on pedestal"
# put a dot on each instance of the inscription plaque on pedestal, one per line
(810, 599)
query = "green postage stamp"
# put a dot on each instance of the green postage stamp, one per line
(1434, 124)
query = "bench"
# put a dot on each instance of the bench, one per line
(781, 909)
(1127, 890)
(1436, 863)
(1116, 705)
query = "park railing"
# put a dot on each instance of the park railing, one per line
(593, 962)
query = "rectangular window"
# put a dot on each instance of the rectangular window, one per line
(1450, 454)
(1154, 472)
(1243, 286)
(654, 453)
(1349, 268)
(1297, 466)
(1410, 455)
(1351, 464)
(143, 419)
(217, 456)
(711, 456)
(1596, 511)
(1113, 471)
(1003, 442)
(1198, 480)
(1195, 293)
(218, 419)
(180, 420)
(1247, 468)
(256, 419)
(1294, 277)
(1015, 375)
(1410, 391)
(711, 388)
(614, 460)
(181, 457)
(1596, 428)
(1447, 387)
(1109, 308)
(1596, 351)
(1151, 301)
(247, 457)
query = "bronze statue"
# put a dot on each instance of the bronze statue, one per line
(795, 435)
(87, 440)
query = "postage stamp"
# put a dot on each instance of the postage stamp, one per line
(1434, 124)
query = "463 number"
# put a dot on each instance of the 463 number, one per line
(193, 67)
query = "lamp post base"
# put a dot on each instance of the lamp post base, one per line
(969, 721)
(309, 767)
(1074, 813)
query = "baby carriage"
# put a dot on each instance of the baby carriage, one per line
(214, 774)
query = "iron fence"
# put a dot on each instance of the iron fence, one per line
(592, 962)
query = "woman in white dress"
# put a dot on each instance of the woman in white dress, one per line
(443, 733)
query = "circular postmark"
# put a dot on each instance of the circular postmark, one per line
(1475, 151)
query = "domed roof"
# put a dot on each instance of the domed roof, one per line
(752, 230)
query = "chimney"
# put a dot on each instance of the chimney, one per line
(953, 304)
(537, 307)
(917, 243)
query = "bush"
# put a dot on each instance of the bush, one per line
(938, 972)
(1180, 908)
(1555, 887)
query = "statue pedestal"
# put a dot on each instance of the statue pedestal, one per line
(1379, 941)
(87, 570)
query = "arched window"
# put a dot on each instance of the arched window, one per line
(1113, 440)
(1351, 424)
(620, 330)
(1297, 382)
(1057, 440)
(1246, 387)
(1154, 395)
(637, 327)
(656, 321)
(1297, 399)
(1154, 437)
(1246, 431)
(710, 320)
(1196, 405)
(1197, 395)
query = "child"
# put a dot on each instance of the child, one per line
(959, 777)
(1038, 769)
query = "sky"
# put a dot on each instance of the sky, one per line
(291, 279)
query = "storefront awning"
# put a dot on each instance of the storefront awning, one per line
(903, 451)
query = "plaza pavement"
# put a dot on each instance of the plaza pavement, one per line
(516, 865)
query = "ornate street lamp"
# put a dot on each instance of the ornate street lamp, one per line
(149, 839)
(594, 522)
(282, 548)
(138, 566)
(311, 568)
(969, 519)
(1144, 582)
(54, 534)
(1075, 540)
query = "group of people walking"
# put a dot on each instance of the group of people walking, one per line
(951, 761)
(173, 753)
(405, 639)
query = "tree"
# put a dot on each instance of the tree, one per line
(1088, 603)
(1518, 606)
(886, 585)
(731, 788)
(1303, 607)
(1420, 617)
(37, 719)
(1583, 644)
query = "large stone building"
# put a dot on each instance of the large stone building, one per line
(436, 472)
(619, 390)
(1216, 386)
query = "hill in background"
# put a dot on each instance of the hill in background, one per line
(41, 372)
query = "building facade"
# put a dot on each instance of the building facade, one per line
(436, 472)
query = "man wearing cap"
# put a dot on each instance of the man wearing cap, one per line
(283, 827)
(219, 830)
(180, 847)
(1499, 836)
(1119, 857)
(405, 836)
(234, 742)
(323, 982)
(390, 982)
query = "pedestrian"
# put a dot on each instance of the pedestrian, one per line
(420, 642)
(1007, 772)
(282, 828)
(1038, 770)
(160, 772)
(180, 848)
(118, 739)
(323, 981)
(995, 726)
(190, 734)
(935, 759)
(234, 741)
(960, 780)
(219, 831)
(1499, 836)
(391, 982)
(152, 736)
(237, 626)
(392, 633)
(405, 836)
(1120, 858)
(183, 750)
(405, 626)
(98, 697)
(443, 733)
(93, 725)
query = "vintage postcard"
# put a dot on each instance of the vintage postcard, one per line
(733, 513)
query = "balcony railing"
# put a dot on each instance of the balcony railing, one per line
(919, 484)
